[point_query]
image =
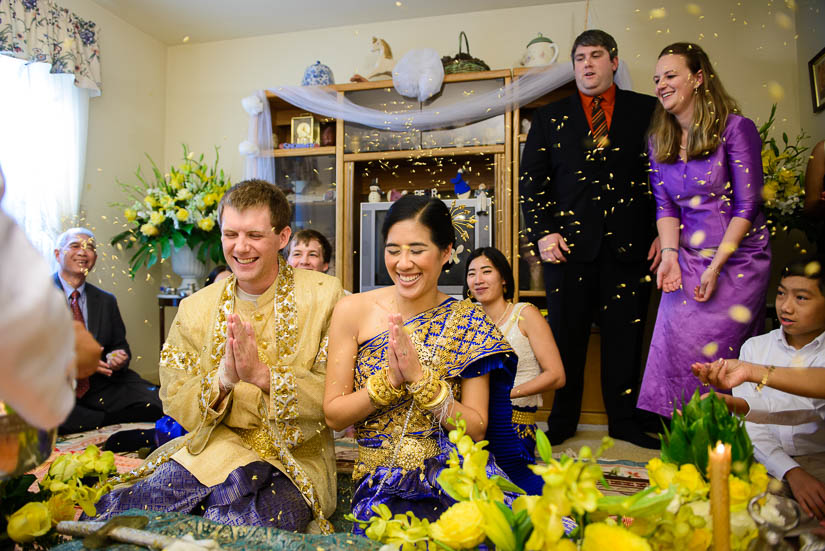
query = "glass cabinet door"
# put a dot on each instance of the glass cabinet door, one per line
(309, 184)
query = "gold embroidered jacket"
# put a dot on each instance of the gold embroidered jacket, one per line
(284, 427)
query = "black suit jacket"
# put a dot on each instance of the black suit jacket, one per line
(105, 325)
(592, 198)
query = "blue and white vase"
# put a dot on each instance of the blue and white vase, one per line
(318, 74)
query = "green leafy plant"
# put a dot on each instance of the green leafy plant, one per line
(173, 210)
(700, 424)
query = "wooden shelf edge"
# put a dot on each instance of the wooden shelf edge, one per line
(301, 152)
(530, 293)
(455, 77)
(418, 153)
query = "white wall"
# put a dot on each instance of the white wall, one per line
(125, 122)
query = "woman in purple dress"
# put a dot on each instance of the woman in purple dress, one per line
(706, 176)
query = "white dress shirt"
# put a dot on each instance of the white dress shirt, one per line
(36, 335)
(776, 444)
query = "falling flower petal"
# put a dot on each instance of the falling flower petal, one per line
(710, 349)
(739, 313)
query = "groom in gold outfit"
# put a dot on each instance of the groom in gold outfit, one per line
(243, 371)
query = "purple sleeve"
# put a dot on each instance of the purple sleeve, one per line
(743, 150)
(665, 207)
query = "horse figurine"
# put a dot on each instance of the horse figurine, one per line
(383, 64)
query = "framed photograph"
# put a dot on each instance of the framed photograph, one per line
(816, 67)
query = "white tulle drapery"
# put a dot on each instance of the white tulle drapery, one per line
(259, 139)
(326, 102)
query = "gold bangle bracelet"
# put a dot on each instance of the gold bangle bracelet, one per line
(380, 391)
(426, 377)
(427, 393)
(441, 396)
(764, 381)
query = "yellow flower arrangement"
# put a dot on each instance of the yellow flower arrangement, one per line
(61, 489)
(784, 191)
(174, 209)
(673, 512)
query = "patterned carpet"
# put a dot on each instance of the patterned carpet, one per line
(623, 476)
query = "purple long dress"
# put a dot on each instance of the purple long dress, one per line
(705, 194)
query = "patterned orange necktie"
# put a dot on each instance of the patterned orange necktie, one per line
(77, 314)
(599, 122)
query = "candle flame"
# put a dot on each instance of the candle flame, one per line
(720, 447)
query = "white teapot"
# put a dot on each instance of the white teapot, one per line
(540, 51)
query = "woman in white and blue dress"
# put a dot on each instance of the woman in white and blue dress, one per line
(489, 280)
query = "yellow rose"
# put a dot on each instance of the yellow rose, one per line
(699, 540)
(156, 218)
(460, 526)
(759, 478)
(600, 536)
(166, 201)
(182, 214)
(150, 201)
(689, 478)
(149, 230)
(130, 214)
(209, 199)
(183, 195)
(206, 224)
(30, 521)
(661, 473)
(740, 492)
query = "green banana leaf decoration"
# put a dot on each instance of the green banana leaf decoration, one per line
(700, 424)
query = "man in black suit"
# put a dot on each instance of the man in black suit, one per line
(115, 394)
(588, 207)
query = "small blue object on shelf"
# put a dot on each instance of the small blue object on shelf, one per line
(460, 186)
(318, 74)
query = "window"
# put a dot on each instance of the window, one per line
(42, 148)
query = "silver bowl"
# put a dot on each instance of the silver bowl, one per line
(22, 446)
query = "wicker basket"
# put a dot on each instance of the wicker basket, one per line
(463, 62)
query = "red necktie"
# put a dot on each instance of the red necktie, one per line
(77, 314)
(599, 122)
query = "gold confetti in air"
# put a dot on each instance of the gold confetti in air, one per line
(710, 349)
(697, 238)
(775, 91)
(812, 268)
(740, 313)
(695, 201)
(784, 21)
(658, 13)
(693, 9)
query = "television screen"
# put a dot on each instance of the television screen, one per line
(374, 271)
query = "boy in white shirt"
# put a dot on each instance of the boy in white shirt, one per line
(793, 453)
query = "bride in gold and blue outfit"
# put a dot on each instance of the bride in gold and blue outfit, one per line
(406, 358)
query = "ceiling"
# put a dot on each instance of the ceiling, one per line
(211, 20)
